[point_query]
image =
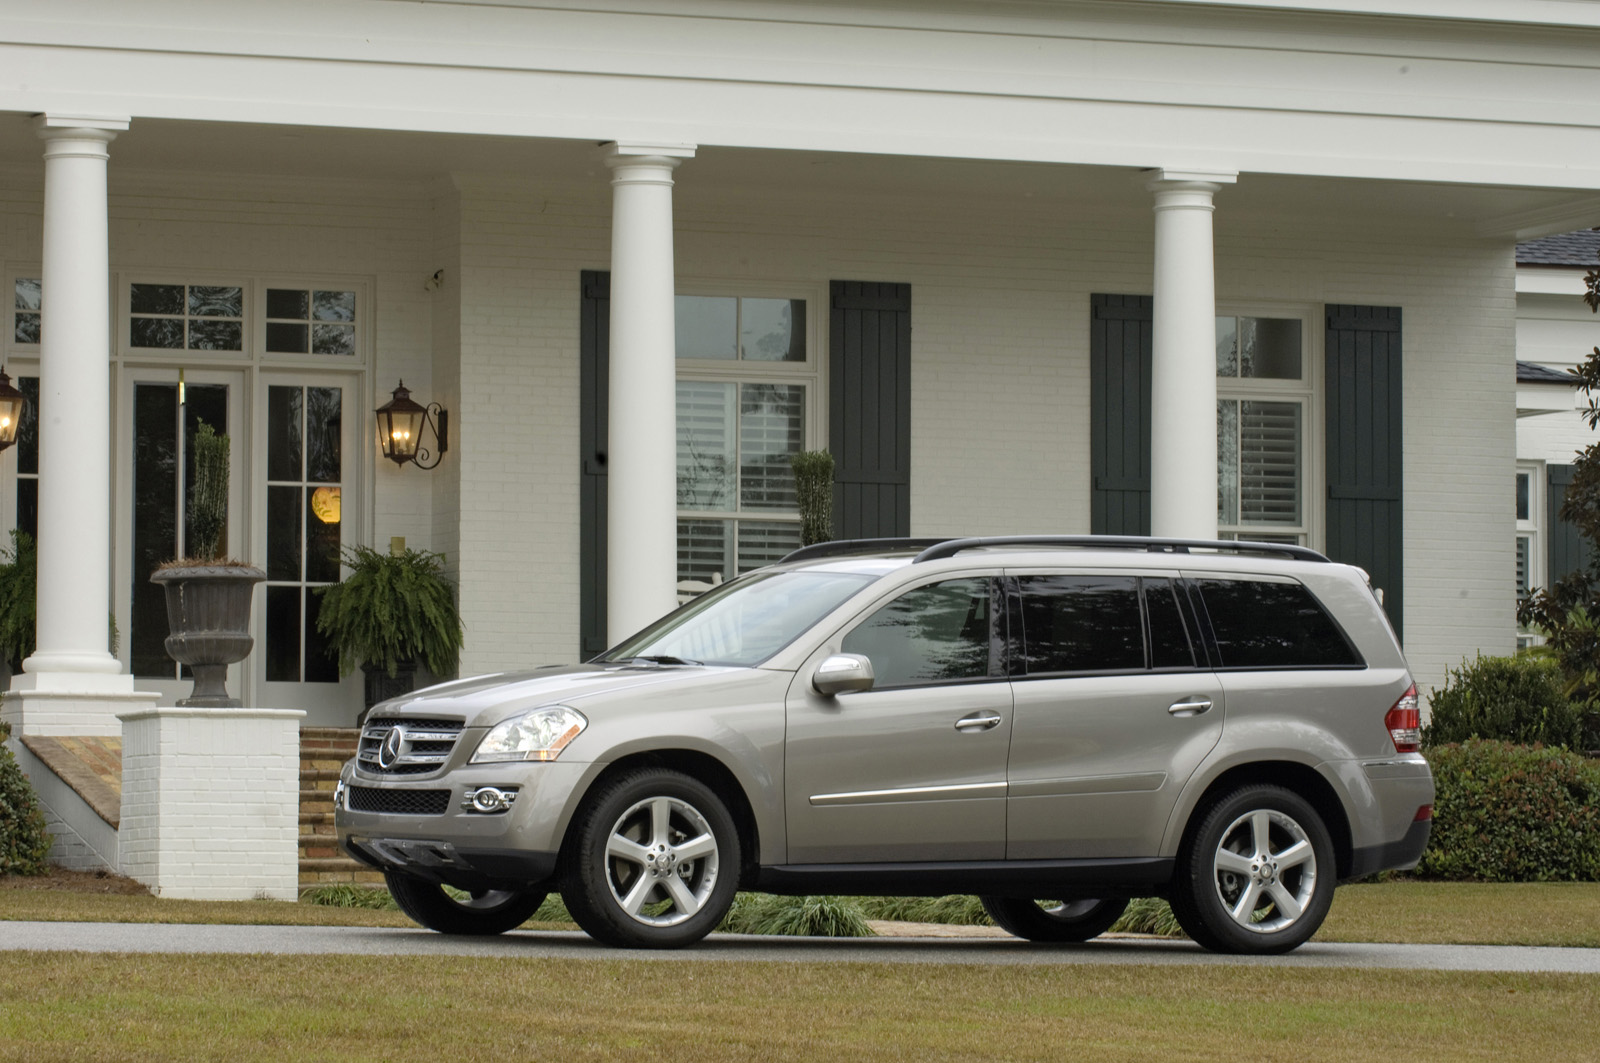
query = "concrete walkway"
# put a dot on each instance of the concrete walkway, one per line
(364, 941)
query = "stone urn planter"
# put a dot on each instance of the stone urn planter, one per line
(208, 613)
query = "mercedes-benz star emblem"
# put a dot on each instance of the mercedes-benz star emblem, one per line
(389, 752)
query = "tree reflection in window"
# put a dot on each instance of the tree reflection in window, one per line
(932, 634)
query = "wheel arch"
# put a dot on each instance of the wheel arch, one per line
(1300, 779)
(708, 770)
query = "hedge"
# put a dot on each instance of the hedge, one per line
(1509, 699)
(1505, 813)
(24, 841)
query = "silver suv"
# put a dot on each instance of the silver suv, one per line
(1056, 724)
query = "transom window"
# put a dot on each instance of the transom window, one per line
(195, 317)
(745, 380)
(27, 305)
(1263, 402)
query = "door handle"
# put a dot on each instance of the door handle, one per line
(1190, 706)
(978, 721)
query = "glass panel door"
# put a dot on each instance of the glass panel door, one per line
(309, 465)
(161, 415)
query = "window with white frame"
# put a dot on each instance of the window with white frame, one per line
(1529, 554)
(747, 378)
(1264, 396)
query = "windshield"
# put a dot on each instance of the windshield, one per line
(743, 622)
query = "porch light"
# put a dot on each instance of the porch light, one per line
(400, 425)
(12, 405)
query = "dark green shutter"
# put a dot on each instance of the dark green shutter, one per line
(594, 361)
(869, 408)
(1365, 503)
(1569, 550)
(1120, 353)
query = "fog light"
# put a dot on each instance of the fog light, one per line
(488, 799)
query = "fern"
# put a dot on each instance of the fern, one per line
(18, 595)
(390, 609)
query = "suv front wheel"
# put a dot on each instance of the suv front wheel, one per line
(1054, 920)
(653, 862)
(458, 912)
(1256, 875)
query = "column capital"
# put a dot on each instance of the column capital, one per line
(51, 125)
(630, 150)
(1167, 176)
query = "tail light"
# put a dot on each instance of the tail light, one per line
(1404, 722)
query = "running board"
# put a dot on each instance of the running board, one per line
(1136, 877)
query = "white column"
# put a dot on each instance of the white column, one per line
(1183, 393)
(71, 684)
(641, 464)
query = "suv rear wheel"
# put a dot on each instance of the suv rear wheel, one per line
(1054, 920)
(484, 912)
(654, 861)
(1256, 874)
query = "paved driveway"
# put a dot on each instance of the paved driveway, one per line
(363, 941)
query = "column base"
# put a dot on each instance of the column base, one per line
(211, 802)
(71, 703)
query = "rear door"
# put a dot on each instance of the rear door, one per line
(914, 769)
(1114, 710)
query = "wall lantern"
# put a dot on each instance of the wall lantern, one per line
(12, 405)
(400, 425)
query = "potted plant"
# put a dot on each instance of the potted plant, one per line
(208, 596)
(392, 611)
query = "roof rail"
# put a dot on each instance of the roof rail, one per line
(951, 547)
(846, 547)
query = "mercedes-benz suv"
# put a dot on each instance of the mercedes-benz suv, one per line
(1056, 724)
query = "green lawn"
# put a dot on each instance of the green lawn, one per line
(275, 1008)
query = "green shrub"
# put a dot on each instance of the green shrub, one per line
(1505, 699)
(24, 841)
(1505, 813)
(760, 913)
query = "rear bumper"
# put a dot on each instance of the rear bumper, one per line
(1392, 856)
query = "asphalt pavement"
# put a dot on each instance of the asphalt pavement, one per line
(365, 941)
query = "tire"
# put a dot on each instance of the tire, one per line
(483, 913)
(1256, 873)
(1055, 920)
(653, 861)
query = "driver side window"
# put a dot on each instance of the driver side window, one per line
(938, 633)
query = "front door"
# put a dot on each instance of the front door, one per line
(914, 769)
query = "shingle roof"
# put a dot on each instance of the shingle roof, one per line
(1529, 373)
(1581, 248)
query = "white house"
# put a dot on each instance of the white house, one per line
(1181, 267)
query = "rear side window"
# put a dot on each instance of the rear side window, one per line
(932, 634)
(1260, 624)
(1097, 624)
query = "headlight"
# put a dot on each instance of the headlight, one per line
(539, 735)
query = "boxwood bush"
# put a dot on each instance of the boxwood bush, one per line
(24, 842)
(1505, 813)
(1509, 699)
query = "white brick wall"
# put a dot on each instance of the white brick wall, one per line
(79, 838)
(211, 801)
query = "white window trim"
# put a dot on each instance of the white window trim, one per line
(1310, 392)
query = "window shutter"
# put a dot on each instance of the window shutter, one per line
(594, 349)
(1568, 551)
(1365, 505)
(1120, 354)
(869, 408)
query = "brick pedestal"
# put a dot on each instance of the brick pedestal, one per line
(210, 802)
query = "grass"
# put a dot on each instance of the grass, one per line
(269, 1008)
(1443, 913)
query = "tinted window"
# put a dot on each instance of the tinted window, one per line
(928, 635)
(1080, 624)
(1273, 625)
(1169, 640)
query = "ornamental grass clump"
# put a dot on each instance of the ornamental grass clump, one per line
(813, 487)
(24, 840)
(760, 913)
(391, 609)
(208, 496)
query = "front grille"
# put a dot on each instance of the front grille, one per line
(398, 802)
(422, 746)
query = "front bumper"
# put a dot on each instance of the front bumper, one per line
(423, 830)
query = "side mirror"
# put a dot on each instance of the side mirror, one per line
(843, 673)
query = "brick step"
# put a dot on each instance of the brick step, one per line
(323, 864)
(318, 775)
(315, 816)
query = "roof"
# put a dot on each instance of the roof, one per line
(1530, 373)
(1581, 248)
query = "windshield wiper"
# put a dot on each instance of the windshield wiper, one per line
(661, 659)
